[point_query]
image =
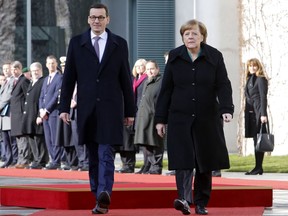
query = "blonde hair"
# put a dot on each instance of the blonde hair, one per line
(260, 72)
(139, 61)
(190, 24)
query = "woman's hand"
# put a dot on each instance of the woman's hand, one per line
(263, 119)
(227, 117)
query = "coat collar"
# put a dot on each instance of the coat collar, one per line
(206, 53)
(111, 44)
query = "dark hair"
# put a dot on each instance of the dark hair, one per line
(154, 62)
(99, 5)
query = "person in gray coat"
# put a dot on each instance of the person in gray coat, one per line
(195, 97)
(145, 131)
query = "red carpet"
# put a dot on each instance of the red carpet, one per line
(130, 191)
(58, 174)
(254, 211)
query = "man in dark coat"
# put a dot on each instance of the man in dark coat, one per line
(195, 97)
(18, 95)
(32, 123)
(104, 98)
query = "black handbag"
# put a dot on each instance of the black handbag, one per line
(265, 141)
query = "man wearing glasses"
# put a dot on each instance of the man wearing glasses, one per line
(97, 61)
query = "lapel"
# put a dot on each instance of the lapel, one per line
(85, 41)
(111, 44)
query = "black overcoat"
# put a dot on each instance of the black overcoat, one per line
(18, 97)
(255, 104)
(104, 90)
(193, 97)
(31, 109)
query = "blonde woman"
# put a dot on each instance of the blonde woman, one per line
(256, 107)
(128, 150)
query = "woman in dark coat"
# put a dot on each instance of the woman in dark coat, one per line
(145, 132)
(255, 107)
(195, 97)
(128, 150)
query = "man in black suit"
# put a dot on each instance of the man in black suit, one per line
(104, 98)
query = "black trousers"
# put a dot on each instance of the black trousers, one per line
(202, 186)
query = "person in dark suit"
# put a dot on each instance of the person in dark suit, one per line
(195, 96)
(105, 100)
(17, 101)
(256, 90)
(48, 109)
(9, 142)
(32, 123)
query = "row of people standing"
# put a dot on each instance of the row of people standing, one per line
(143, 136)
(28, 125)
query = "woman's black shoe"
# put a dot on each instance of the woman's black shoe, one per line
(201, 210)
(255, 172)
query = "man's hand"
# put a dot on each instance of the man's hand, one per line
(65, 118)
(128, 121)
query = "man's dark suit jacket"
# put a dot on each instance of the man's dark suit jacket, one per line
(104, 89)
(49, 95)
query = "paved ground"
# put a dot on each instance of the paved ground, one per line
(280, 197)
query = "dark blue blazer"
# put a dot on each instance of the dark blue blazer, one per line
(104, 90)
(49, 97)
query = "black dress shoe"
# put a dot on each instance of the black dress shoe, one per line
(216, 173)
(52, 167)
(154, 172)
(201, 210)
(103, 202)
(255, 172)
(125, 170)
(173, 172)
(36, 166)
(182, 205)
(83, 169)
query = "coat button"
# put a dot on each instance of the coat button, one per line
(24, 112)
(193, 99)
(193, 84)
(98, 99)
(97, 80)
(193, 115)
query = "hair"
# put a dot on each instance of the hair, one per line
(134, 72)
(36, 64)
(99, 5)
(190, 24)
(260, 72)
(17, 64)
(51, 57)
(154, 62)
